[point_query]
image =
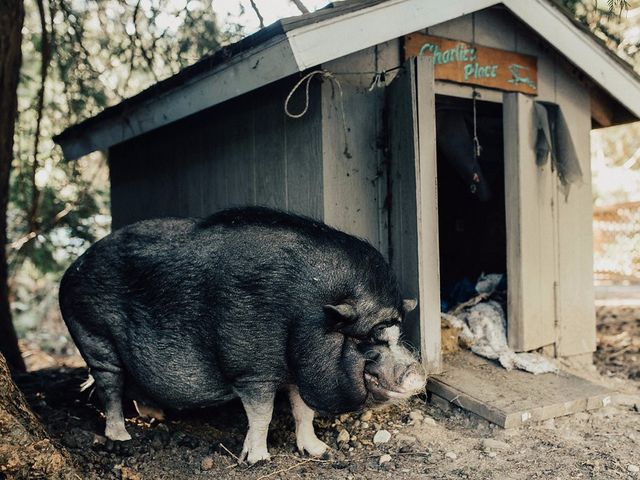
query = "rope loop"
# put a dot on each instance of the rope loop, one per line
(306, 80)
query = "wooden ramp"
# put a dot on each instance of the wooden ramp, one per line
(513, 398)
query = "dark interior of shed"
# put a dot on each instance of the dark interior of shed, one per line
(471, 195)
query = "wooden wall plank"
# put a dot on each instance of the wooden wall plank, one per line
(352, 183)
(238, 157)
(459, 28)
(237, 153)
(427, 217)
(402, 124)
(413, 216)
(576, 311)
(194, 180)
(530, 230)
(530, 43)
(303, 155)
(494, 27)
(269, 168)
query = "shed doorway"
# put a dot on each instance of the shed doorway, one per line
(471, 196)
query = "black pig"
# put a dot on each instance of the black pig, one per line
(194, 312)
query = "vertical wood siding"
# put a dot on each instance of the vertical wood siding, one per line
(355, 188)
(242, 152)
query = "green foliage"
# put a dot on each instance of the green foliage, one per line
(101, 52)
(615, 22)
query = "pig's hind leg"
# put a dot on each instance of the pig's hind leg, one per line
(258, 405)
(102, 359)
(306, 438)
(111, 386)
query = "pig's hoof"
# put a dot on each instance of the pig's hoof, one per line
(117, 434)
(254, 455)
(314, 447)
(119, 448)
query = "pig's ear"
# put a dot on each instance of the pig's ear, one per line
(408, 304)
(341, 314)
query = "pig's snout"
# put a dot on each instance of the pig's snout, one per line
(412, 378)
(393, 380)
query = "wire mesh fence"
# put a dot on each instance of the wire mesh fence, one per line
(616, 243)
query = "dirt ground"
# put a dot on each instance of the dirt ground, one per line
(426, 440)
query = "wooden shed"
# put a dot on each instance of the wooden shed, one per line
(387, 90)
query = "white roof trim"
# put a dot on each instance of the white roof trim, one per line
(341, 35)
(242, 74)
(317, 43)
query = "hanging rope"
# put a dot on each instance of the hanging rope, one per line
(477, 148)
(307, 81)
(307, 78)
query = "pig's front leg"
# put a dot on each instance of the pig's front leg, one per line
(258, 404)
(306, 439)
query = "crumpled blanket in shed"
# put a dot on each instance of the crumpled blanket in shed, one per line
(483, 326)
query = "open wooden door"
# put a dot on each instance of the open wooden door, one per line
(413, 210)
(531, 244)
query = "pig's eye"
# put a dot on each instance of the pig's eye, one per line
(378, 330)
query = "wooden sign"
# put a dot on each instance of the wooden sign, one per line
(462, 62)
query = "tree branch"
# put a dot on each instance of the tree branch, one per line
(45, 52)
(255, 9)
(17, 245)
(301, 6)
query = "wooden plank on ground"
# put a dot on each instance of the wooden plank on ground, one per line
(513, 398)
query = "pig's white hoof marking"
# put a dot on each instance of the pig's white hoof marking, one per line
(118, 433)
(313, 446)
(254, 455)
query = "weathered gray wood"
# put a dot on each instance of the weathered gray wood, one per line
(353, 182)
(269, 167)
(459, 29)
(193, 179)
(478, 385)
(413, 214)
(427, 217)
(402, 125)
(494, 27)
(531, 44)
(237, 158)
(530, 230)
(467, 91)
(303, 156)
(242, 152)
(576, 311)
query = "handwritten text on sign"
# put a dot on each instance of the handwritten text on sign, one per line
(462, 62)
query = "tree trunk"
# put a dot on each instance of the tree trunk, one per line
(25, 450)
(11, 21)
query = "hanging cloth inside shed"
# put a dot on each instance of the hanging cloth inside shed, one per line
(554, 138)
(460, 148)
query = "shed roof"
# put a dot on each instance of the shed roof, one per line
(295, 44)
